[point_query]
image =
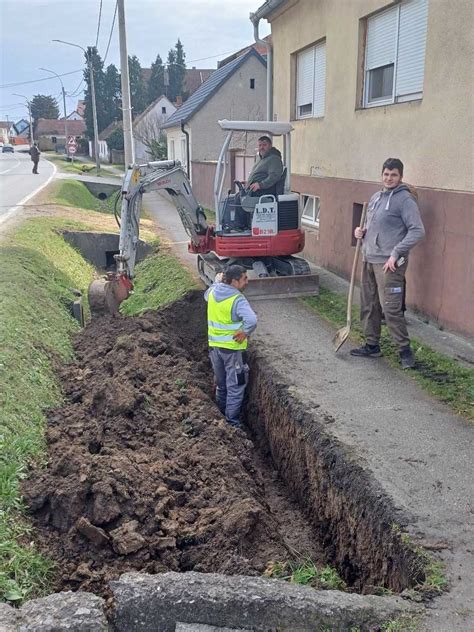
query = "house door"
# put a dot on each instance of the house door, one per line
(243, 166)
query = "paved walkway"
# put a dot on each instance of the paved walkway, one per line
(418, 450)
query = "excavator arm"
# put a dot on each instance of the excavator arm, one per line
(105, 295)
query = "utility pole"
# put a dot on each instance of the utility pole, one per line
(94, 108)
(126, 104)
(66, 148)
(32, 140)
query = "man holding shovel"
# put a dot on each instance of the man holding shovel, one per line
(392, 228)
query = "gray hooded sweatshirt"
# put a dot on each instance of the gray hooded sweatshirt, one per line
(268, 170)
(241, 310)
(393, 225)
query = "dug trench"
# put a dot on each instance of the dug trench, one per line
(144, 474)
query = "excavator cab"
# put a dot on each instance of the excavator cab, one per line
(266, 245)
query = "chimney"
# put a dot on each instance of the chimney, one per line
(179, 100)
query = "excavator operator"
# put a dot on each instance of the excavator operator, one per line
(230, 322)
(262, 179)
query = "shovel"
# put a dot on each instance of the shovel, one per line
(343, 333)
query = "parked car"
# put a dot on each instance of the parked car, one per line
(7, 148)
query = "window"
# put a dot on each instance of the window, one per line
(310, 204)
(54, 140)
(163, 109)
(252, 84)
(311, 82)
(184, 160)
(171, 152)
(395, 54)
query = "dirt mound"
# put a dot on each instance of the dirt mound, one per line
(143, 471)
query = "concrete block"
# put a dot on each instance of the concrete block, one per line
(99, 248)
(74, 612)
(156, 603)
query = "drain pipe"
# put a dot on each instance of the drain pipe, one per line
(263, 12)
(188, 165)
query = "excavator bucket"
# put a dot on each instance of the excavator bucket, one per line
(282, 287)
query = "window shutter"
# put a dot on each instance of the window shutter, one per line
(305, 78)
(319, 79)
(381, 39)
(411, 47)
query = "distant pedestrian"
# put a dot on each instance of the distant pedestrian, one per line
(230, 322)
(393, 227)
(35, 156)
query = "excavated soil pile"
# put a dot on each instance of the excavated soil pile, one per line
(143, 472)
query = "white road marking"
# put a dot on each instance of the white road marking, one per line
(14, 167)
(12, 210)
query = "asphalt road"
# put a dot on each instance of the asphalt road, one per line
(17, 183)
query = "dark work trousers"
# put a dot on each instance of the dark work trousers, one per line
(231, 374)
(35, 166)
(383, 292)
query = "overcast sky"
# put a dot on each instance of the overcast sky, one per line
(208, 29)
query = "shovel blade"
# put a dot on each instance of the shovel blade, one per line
(340, 338)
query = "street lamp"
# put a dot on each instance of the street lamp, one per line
(64, 105)
(94, 109)
(29, 112)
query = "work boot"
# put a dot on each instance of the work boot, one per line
(367, 351)
(407, 359)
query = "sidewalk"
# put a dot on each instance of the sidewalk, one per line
(417, 449)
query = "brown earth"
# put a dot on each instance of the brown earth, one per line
(144, 473)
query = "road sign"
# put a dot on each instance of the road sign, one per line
(72, 149)
(71, 141)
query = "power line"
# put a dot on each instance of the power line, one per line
(190, 61)
(76, 90)
(98, 24)
(111, 31)
(24, 83)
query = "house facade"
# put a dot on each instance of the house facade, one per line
(51, 133)
(365, 80)
(148, 126)
(235, 91)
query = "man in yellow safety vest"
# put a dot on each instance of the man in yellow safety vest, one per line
(230, 321)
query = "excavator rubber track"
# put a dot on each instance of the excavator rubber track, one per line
(301, 282)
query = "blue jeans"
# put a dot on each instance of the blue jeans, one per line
(231, 373)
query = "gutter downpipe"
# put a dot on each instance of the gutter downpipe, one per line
(255, 18)
(188, 162)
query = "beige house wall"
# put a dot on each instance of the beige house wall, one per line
(175, 134)
(235, 100)
(432, 136)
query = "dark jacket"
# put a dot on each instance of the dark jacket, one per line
(34, 153)
(393, 225)
(268, 170)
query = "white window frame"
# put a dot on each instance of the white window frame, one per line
(318, 62)
(394, 98)
(315, 202)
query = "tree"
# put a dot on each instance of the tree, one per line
(112, 94)
(148, 131)
(138, 89)
(44, 106)
(115, 140)
(99, 79)
(156, 83)
(177, 71)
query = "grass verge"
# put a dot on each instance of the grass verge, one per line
(80, 166)
(75, 193)
(441, 376)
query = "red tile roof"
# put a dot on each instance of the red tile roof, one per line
(192, 81)
(56, 126)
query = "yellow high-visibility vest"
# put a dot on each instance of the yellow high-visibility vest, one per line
(220, 326)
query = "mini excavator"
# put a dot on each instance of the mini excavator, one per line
(266, 248)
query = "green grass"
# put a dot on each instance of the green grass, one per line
(75, 193)
(441, 376)
(306, 573)
(159, 279)
(38, 268)
(80, 166)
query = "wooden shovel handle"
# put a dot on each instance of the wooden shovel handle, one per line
(354, 267)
